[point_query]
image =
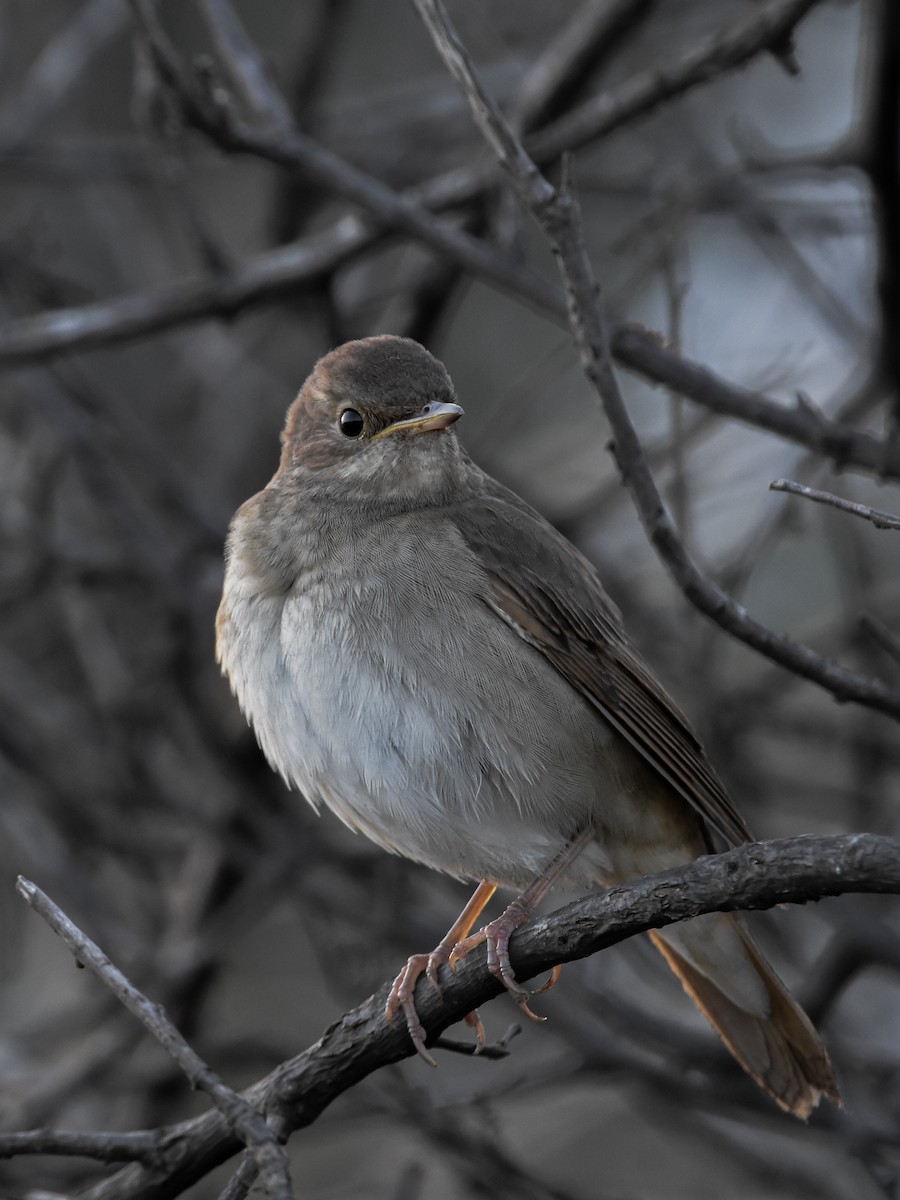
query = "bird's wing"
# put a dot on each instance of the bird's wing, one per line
(550, 594)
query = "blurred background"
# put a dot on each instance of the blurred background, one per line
(754, 221)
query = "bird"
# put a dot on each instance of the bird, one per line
(418, 650)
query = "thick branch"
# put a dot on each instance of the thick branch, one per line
(755, 876)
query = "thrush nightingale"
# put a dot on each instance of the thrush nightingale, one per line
(420, 651)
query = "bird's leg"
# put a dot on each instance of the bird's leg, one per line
(404, 986)
(497, 933)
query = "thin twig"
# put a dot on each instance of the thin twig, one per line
(881, 520)
(583, 42)
(246, 66)
(470, 1049)
(299, 152)
(261, 278)
(767, 26)
(242, 1180)
(556, 212)
(246, 1121)
(59, 68)
(802, 423)
(888, 641)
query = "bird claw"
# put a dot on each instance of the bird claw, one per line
(401, 999)
(473, 1020)
(523, 1005)
(552, 980)
(497, 934)
(435, 962)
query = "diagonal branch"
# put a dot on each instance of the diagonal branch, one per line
(297, 151)
(801, 423)
(246, 66)
(267, 275)
(881, 520)
(753, 876)
(556, 212)
(260, 278)
(247, 1123)
(766, 26)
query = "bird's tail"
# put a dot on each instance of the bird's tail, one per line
(725, 974)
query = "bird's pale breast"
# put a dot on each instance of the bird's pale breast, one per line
(382, 684)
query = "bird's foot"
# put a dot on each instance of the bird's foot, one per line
(402, 992)
(402, 998)
(496, 935)
(404, 986)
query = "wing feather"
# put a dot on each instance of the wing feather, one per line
(540, 584)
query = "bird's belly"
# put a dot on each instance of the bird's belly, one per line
(481, 772)
(459, 747)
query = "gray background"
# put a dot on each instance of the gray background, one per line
(737, 221)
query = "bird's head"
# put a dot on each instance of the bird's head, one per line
(375, 412)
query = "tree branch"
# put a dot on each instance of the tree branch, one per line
(881, 520)
(753, 876)
(144, 1145)
(272, 273)
(246, 1122)
(298, 152)
(556, 212)
(769, 26)
(269, 274)
(802, 423)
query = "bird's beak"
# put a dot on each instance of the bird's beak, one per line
(432, 417)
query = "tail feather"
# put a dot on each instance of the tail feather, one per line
(781, 1051)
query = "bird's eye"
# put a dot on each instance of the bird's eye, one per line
(351, 423)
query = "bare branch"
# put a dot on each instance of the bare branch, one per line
(881, 520)
(575, 50)
(267, 275)
(141, 1146)
(755, 876)
(245, 1120)
(557, 214)
(299, 152)
(246, 66)
(768, 26)
(802, 423)
(888, 641)
(58, 68)
(125, 769)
